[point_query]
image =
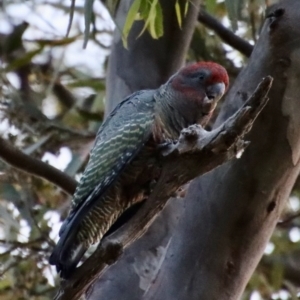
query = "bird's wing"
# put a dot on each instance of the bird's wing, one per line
(118, 141)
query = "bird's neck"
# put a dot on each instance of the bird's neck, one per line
(167, 116)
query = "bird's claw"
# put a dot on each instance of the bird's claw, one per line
(166, 144)
(167, 147)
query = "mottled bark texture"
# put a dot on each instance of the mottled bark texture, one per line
(208, 245)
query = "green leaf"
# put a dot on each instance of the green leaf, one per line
(21, 61)
(144, 9)
(150, 12)
(5, 283)
(132, 13)
(158, 22)
(186, 8)
(178, 14)
(55, 43)
(211, 5)
(95, 84)
(149, 22)
(91, 116)
(88, 12)
(151, 26)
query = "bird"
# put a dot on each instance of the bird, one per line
(124, 162)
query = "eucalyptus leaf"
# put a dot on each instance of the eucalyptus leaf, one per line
(88, 12)
(150, 18)
(178, 13)
(96, 84)
(158, 24)
(144, 9)
(56, 43)
(132, 13)
(21, 61)
(72, 9)
(186, 8)
(211, 5)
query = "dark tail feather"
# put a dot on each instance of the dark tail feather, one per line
(67, 253)
(124, 218)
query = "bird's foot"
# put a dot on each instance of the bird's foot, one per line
(167, 146)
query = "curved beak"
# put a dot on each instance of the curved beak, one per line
(215, 91)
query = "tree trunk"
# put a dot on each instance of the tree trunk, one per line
(207, 245)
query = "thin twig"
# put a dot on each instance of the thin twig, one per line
(288, 220)
(63, 95)
(21, 161)
(43, 235)
(18, 244)
(72, 9)
(82, 134)
(225, 34)
(13, 245)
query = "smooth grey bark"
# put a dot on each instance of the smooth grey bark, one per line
(208, 245)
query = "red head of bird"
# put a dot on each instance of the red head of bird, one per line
(195, 90)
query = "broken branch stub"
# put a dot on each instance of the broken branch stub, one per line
(196, 138)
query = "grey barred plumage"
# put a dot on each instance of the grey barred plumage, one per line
(124, 161)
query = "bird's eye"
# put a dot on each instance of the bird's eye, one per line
(211, 97)
(201, 77)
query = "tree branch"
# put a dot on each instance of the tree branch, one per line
(225, 34)
(288, 221)
(196, 152)
(63, 95)
(33, 166)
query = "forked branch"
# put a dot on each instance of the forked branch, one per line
(195, 153)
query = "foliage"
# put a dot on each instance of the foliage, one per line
(50, 106)
(148, 11)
